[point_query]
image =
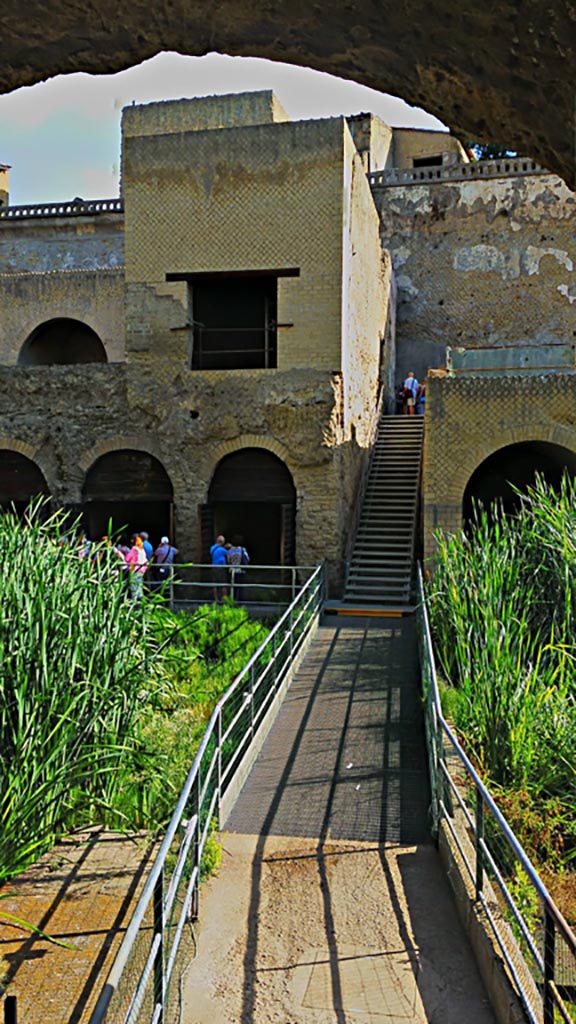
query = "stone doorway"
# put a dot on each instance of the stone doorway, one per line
(252, 494)
(21, 481)
(127, 491)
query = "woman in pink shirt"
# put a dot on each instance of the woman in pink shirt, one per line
(137, 563)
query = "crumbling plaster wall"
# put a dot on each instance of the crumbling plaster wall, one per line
(470, 418)
(488, 262)
(46, 244)
(96, 298)
(366, 288)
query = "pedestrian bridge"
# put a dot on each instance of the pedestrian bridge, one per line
(354, 830)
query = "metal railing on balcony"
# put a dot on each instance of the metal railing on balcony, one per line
(143, 982)
(535, 942)
(225, 348)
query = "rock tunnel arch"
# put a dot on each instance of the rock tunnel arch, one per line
(21, 481)
(516, 466)
(500, 73)
(62, 341)
(252, 494)
(126, 491)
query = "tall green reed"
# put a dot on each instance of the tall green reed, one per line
(74, 672)
(502, 615)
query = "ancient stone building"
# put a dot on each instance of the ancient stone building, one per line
(211, 351)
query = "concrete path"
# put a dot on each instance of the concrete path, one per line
(331, 905)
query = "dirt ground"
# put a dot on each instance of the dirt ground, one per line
(81, 893)
(296, 934)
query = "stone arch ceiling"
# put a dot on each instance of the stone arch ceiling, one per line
(491, 69)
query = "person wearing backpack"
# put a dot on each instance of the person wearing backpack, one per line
(410, 390)
(237, 556)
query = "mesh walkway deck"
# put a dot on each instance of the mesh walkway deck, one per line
(346, 757)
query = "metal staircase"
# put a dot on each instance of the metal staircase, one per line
(381, 567)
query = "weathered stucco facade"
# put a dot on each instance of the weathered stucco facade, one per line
(480, 263)
(256, 292)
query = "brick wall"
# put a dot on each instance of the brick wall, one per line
(256, 198)
(96, 298)
(470, 418)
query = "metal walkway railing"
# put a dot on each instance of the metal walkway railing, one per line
(536, 943)
(191, 584)
(139, 987)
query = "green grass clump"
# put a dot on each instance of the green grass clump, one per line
(502, 607)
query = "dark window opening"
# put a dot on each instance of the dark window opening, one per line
(234, 324)
(427, 161)
(62, 341)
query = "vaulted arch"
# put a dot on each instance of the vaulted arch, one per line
(62, 341)
(21, 480)
(494, 72)
(128, 490)
(513, 468)
(252, 494)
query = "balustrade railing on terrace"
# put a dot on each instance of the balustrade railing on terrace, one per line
(476, 169)
(143, 984)
(72, 208)
(529, 932)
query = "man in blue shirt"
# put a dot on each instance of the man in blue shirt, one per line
(220, 570)
(410, 389)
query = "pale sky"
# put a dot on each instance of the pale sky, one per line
(62, 137)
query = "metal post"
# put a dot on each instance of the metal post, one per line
(549, 965)
(197, 858)
(10, 1010)
(274, 662)
(219, 768)
(479, 838)
(252, 700)
(293, 574)
(158, 904)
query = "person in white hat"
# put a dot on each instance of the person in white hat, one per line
(163, 560)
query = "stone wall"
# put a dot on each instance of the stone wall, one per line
(468, 418)
(94, 297)
(71, 415)
(41, 245)
(409, 144)
(480, 263)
